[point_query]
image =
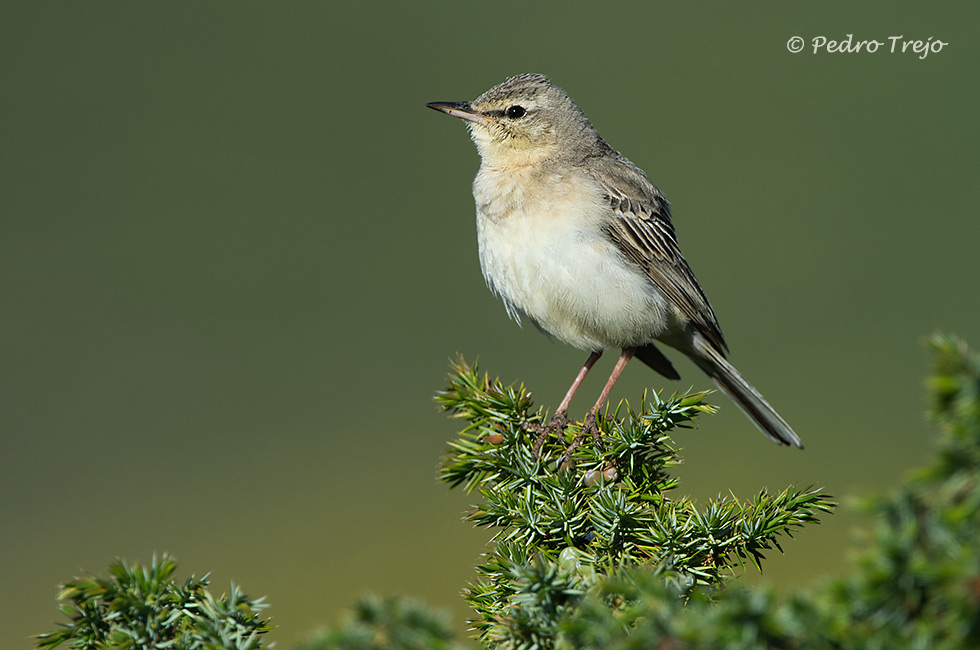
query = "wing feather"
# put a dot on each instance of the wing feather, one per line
(641, 227)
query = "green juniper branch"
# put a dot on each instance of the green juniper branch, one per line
(144, 607)
(560, 527)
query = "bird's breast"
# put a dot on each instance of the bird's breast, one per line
(544, 251)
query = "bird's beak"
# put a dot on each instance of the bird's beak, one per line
(462, 110)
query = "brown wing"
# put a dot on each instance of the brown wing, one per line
(642, 230)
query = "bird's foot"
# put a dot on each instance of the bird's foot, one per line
(589, 428)
(556, 424)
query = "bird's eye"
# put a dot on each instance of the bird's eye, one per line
(516, 111)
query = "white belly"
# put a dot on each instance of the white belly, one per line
(553, 264)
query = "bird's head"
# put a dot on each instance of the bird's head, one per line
(523, 121)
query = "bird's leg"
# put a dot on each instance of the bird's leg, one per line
(560, 418)
(590, 427)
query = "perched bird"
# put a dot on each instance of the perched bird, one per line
(576, 239)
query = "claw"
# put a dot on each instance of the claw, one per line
(589, 427)
(557, 424)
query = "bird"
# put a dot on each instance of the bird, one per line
(574, 238)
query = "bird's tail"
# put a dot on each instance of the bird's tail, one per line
(745, 396)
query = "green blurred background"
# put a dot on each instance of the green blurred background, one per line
(237, 252)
